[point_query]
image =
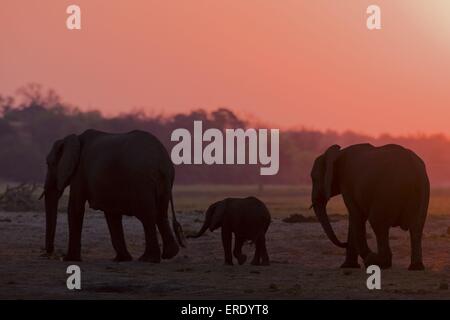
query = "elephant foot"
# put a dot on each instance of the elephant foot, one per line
(71, 257)
(255, 262)
(228, 263)
(149, 258)
(416, 266)
(242, 258)
(49, 251)
(170, 251)
(46, 255)
(265, 263)
(370, 259)
(123, 257)
(350, 264)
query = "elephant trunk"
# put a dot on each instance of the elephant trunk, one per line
(321, 214)
(51, 209)
(205, 225)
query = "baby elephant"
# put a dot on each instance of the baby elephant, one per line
(248, 219)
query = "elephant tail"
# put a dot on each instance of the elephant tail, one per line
(177, 226)
(201, 231)
(422, 192)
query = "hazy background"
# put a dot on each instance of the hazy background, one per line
(35, 117)
(310, 68)
(291, 63)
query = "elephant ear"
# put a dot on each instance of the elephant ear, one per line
(68, 161)
(330, 157)
(217, 215)
(52, 157)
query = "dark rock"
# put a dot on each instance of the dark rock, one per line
(273, 287)
(443, 286)
(299, 218)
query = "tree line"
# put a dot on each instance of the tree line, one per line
(33, 119)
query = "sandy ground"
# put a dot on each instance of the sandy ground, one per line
(305, 265)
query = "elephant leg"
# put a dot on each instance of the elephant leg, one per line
(257, 256)
(170, 246)
(358, 226)
(237, 252)
(264, 254)
(383, 258)
(261, 256)
(152, 251)
(351, 254)
(118, 241)
(415, 234)
(75, 219)
(357, 233)
(226, 241)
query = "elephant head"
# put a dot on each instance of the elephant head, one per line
(213, 218)
(61, 164)
(323, 189)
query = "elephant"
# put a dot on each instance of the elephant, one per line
(248, 218)
(120, 174)
(386, 185)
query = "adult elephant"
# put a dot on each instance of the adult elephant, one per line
(120, 174)
(387, 185)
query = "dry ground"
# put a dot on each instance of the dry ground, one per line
(305, 265)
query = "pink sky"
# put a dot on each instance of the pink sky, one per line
(290, 63)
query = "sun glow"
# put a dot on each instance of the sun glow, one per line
(433, 17)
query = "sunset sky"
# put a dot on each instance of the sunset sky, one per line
(289, 63)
